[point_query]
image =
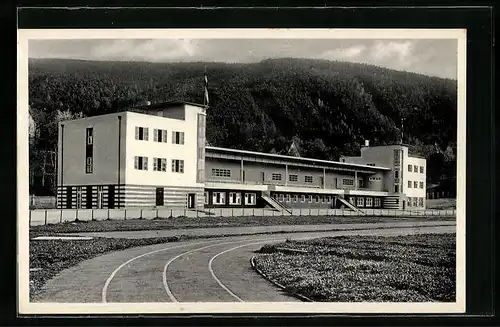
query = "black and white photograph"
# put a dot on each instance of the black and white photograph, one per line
(258, 170)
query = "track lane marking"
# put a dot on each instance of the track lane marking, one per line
(113, 274)
(165, 268)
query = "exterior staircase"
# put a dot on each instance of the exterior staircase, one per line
(275, 204)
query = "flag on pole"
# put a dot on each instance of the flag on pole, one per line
(205, 98)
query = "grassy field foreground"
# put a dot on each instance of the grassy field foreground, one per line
(417, 268)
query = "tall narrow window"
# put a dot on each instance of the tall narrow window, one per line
(409, 168)
(177, 137)
(160, 135)
(159, 164)
(177, 166)
(141, 133)
(409, 184)
(89, 151)
(421, 169)
(141, 163)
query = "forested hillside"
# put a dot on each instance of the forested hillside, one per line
(328, 108)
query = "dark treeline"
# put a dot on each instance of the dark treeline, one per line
(328, 108)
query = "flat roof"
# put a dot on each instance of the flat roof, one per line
(280, 156)
(167, 104)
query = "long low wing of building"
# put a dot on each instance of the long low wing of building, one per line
(156, 156)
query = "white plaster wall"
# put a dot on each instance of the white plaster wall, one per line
(169, 150)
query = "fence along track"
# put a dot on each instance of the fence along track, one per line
(55, 216)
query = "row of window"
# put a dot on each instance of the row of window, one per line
(365, 202)
(159, 164)
(415, 169)
(160, 135)
(415, 202)
(415, 184)
(295, 198)
(372, 179)
(234, 198)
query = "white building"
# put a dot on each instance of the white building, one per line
(156, 156)
(133, 158)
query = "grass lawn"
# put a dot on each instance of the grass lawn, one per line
(211, 222)
(441, 204)
(418, 268)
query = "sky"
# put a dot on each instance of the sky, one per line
(430, 57)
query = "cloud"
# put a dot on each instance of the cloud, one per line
(352, 52)
(431, 57)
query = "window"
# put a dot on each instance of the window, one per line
(287, 198)
(409, 168)
(409, 202)
(141, 133)
(159, 164)
(369, 202)
(415, 169)
(310, 198)
(371, 164)
(361, 183)
(415, 202)
(360, 202)
(295, 198)
(276, 177)
(89, 151)
(177, 137)
(396, 174)
(89, 168)
(328, 199)
(141, 163)
(323, 199)
(79, 195)
(250, 198)
(219, 172)
(409, 184)
(421, 169)
(302, 198)
(377, 202)
(281, 197)
(373, 179)
(90, 138)
(421, 184)
(219, 198)
(177, 166)
(415, 184)
(308, 179)
(317, 198)
(160, 135)
(347, 181)
(206, 197)
(421, 202)
(234, 198)
(396, 188)
(293, 178)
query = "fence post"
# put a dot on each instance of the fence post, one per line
(92, 213)
(232, 212)
(171, 213)
(108, 213)
(76, 214)
(125, 214)
(29, 219)
(185, 212)
(61, 217)
(253, 212)
(140, 217)
(45, 217)
(156, 213)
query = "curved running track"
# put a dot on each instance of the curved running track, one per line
(210, 270)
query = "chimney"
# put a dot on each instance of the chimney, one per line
(367, 142)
